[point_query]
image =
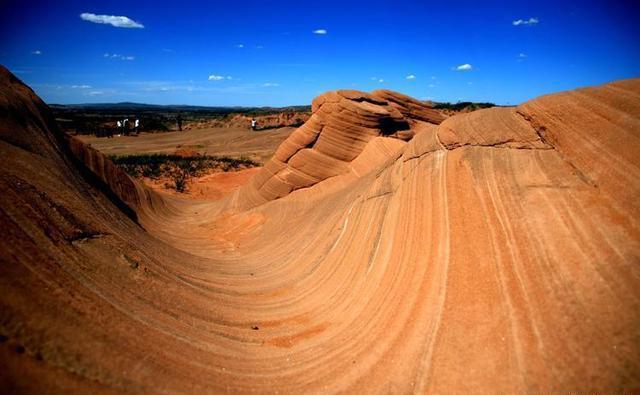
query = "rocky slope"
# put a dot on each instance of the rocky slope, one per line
(383, 250)
(348, 131)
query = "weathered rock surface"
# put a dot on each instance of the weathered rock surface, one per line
(498, 251)
(334, 142)
(411, 108)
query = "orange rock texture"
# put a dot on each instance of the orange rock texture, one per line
(384, 249)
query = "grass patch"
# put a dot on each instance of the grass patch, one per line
(179, 168)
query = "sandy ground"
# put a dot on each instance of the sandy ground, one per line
(209, 187)
(258, 146)
(493, 252)
(232, 142)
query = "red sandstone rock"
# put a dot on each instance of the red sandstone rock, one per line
(495, 252)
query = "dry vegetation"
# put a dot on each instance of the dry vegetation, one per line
(178, 168)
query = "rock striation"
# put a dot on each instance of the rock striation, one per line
(384, 249)
(333, 141)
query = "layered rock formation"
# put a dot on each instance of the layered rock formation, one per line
(383, 250)
(348, 131)
(409, 107)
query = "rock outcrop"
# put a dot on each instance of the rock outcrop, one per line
(409, 107)
(382, 250)
(333, 141)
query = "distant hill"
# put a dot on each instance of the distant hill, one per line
(93, 118)
(129, 107)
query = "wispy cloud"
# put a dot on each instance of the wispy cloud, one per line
(464, 67)
(522, 56)
(526, 22)
(320, 31)
(80, 90)
(36, 52)
(187, 86)
(240, 46)
(411, 77)
(197, 88)
(113, 20)
(432, 85)
(118, 56)
(214, 77)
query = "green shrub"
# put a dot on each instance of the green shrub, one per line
(459, 106)
(180, 180)
(178, 168)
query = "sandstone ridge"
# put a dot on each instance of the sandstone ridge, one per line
(384, 249)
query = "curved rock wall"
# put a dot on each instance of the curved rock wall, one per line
(495, 252)
(343, 123)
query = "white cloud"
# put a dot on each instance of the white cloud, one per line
(81, 86)
(525, 22)
(432, 86)
(411, 77)
(522, 55)
(464, 67)
(270, 84)
(118, 56)
(229, 77)
(240, 46)
(320, 31)
(380, 80)
(113, 20)
(36, 52)
(95, 93)
(214, 77)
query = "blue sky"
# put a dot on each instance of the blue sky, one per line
(258, 53)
